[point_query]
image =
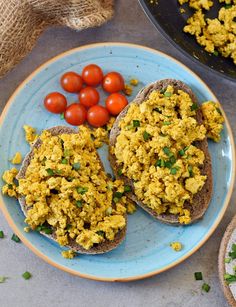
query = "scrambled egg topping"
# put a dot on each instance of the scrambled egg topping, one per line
(66, 188)
(213, 119)
(218, 34)
(176, 246)
(155, 148)
(30, 135)
(69, 254)
(10, 188)
(17, 158)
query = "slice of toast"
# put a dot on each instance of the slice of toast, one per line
(202, 199)
(96, 249)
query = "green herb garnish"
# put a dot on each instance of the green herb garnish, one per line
(64, 161)
(190, 170)
(100, 233)
(228, 6)
(194, 107)
(79, 203)
(168, 164)
(10, 186)
(68, 226)
(160, 163)
(206, 287)
(62, 116)
(127, 188)
(26, 275)
(118, 194)
(1, 234)
(166, 123)
(47, 230)
(216, 53)
(167, 151)
(2, 279)
(82, 190)
(227, 260)
(15, 238)
(146, 136)
(66, 152)
(136, 123)
(229, 278)
(76, 166)
(157, 110)
(50, 172)
(173, 170)
(181, 152)
(198, 275)
(232, 253)
(167, 94)
(119, 172)
(219, 111)
(116, 199)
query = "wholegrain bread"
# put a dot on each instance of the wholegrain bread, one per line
(96, 249)
(202, 198)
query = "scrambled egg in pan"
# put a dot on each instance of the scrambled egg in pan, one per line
(215, 35)
(155, 149)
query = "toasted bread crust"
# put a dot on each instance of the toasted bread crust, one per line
(101, 248)
(202, 199)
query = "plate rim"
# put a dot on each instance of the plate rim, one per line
(157, 25)
(47, 259)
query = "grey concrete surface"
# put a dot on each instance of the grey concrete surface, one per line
(51, 287)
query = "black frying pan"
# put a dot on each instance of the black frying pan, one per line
(166, 16)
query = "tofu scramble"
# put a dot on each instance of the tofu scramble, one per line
(155, 149)
(66, 189)
(215, 35)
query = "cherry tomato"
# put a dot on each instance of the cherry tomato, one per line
(55, 102)
(98, 116)
(92, 75)
(115, 103)
(71, 82)
(89, 96)
(113, 82)
(75, 114)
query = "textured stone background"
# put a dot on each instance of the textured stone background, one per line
(50, 287)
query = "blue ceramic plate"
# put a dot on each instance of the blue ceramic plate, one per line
(146, 249)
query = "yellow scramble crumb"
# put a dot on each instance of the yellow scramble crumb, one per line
(176, 246)
(27, 229)
(134, 82)
(128, 90)
(10, 188)
(130, 206)
(70, 254)
(17, 158)
(30, 135)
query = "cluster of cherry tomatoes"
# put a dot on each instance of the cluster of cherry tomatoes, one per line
(87, 108)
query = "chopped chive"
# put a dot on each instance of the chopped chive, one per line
(157, 110)
(100, 233)
(58, 171)
(162, 91)
(82, 190)
(70, 178)
(160, 163)
(2, 279)
(26, 275)
(118, 194)
(166, 123)
(172, 160)
(206, 287)
(15, 238)
(181, 152)
(116, 199)
(167, 94)
(76, 166)
(1, 234)
(227, 260)
(229, 278)
(62, 116)
(38, 228)
(64, 161)
(167, 151)
(136, 123)
(146, 136)
(216, 53)
(10, 186)
(168, 164)
(190, 170)
(50, 172)
(127, 188)
(228, 6)
(232, 255)
(68, 226)
(47, 231)
(119, 172)
(198, 275)
(219, 111)
(194, 107)
(173, 170)
(79, 203)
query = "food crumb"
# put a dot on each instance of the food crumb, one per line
(27, 229)
(26, 275)
(17, 158)
(30, 135)
(69, 254)
(131, 208)
(2, 279)
(134, 82)
(176, 246)
(128, 90)
(182, 10)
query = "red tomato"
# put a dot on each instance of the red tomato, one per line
(113, 82)
(92, 75)
(89, 96)
(71, 82)
(75, 114)
(55, 102)
(115, 103)
(98, 116)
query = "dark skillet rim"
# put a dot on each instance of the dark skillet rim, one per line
(170, 39)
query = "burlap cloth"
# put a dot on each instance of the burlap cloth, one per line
(22, 21)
